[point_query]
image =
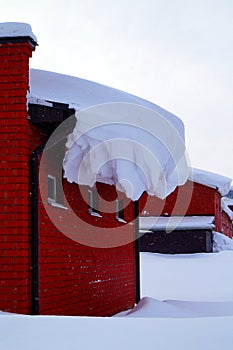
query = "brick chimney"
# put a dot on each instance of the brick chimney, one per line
(17, 42)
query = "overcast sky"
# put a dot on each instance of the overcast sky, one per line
(175, 53)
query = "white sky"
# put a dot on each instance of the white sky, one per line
(175, 53)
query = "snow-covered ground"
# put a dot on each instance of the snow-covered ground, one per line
(187, 304)
(189, 277)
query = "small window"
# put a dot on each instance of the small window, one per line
(120, 211)
(93, 203)
(55, 193)
(52, 189)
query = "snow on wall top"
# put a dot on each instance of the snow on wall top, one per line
(207, 178)
(142, 145)
(162, 223)
(16, 29)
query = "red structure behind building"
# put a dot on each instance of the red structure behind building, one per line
(191, 199)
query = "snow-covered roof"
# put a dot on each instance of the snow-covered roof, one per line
(142, 145)
(225, 202)
(82, 94)
(229, 201)
(170, 223)
(15, 29)
(207, 178)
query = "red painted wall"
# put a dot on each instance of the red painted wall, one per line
(190, 199)
(74, 279)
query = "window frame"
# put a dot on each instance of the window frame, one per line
(120, 215)
(53, 201)
(50, 199)
(93, 211)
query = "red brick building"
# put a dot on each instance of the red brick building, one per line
(229, 199)
(200, 196)
(42, 271)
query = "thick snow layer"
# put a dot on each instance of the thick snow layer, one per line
(221, 183)
(202, 277)
(119, 138)
(82, 94)
(16, 29)
(59, 333)
(187, 304)
(134, 148)
(169, 223)
(149, 307)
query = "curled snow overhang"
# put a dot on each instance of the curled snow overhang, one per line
(118, 139)
(207, 178)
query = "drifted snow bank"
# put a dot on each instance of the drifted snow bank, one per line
(197, 312)
(200, 277)
(150, 307)
(119, 138)
(59, 333)
(222, 242)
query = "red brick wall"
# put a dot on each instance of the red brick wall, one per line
(14, 179)
(189, 199)
(74, 279)
(82, 280)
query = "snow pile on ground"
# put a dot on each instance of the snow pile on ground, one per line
(221, 183)
(204, 277)
(222, 242)
(60, 333)
(119, 138)
(187, 304)
(149, 307)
